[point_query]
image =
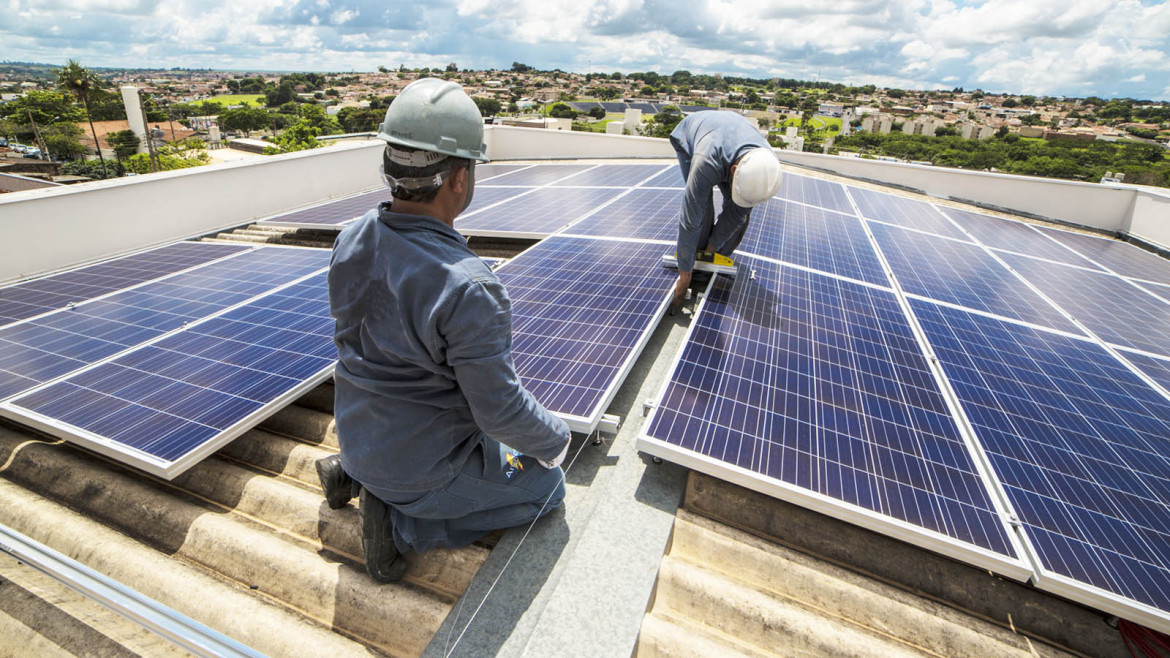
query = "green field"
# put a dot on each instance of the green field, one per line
(818, 123)
(255, 100)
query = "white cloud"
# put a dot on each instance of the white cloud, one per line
(1071, 47)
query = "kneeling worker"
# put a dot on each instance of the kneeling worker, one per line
(430, 414)
(719, 149)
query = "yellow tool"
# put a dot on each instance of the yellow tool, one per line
(706, 261)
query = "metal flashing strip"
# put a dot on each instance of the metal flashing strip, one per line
(180, 630)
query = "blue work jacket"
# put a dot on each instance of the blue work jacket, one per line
(707, 144)
(424, 340)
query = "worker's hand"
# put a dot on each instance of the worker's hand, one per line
(556, 461)
(680, 288)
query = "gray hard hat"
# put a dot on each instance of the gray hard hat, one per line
(437, 116)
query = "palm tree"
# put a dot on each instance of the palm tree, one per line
(81, 82)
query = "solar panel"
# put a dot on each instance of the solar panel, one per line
(1125, 259)
(811, 237)
(642, 214)
(1114, 309)
(535, 215)
(672, 177)
(28, 298)
(612, 175)
(1014, 236)
(816, 192)
(539, 175)
(614, 107)
(332, 214)
(1079, 443)
(47, 347)
(487, 196)
(165, 406)
(486, 172)
(961, 273)
(814, 389)
(582, 310)
(903, 212)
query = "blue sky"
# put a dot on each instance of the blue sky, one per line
(1055, 47)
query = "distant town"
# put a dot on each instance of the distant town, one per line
(54, 130)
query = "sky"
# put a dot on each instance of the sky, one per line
(1108, 48)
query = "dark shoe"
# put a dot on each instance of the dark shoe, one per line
(338, 485)
(383, 562)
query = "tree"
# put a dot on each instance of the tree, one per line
(520, 68)
(125, 143)
(1010, 102)
(63, 140)
(298, 137)
(279, 95)
(244, 119)
(452, 68)
(597, 112)
(359, 119)
(488, 107)
(562, 111)
(80, 81)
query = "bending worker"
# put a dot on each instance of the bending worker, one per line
(719, 149)
(430, 413)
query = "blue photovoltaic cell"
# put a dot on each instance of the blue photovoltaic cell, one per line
(539, 174)
(1078, 441)
(485, 196)
(672, 177)
(57, 291)
(574, 327)
(816, 192)
(1011, 235)
(486, 172)
(45, 348)
(1157, 368)
(642, 214)
(812, 237)
(819, 383)
(612, 175)
(1117, 311)
(1125, 259)
(962, 273)
(538, 214)
(904, 212)
(170, 398)
(334, 213)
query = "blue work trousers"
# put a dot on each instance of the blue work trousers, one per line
(722, 236)
(494, 490)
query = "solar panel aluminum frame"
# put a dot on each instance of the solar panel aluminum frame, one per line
(598, 417)
(319, 226)
(167, 470)
(1016, 569)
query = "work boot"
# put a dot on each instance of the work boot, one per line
(383, 562)
(338, 485)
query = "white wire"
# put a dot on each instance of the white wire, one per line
(451, 648)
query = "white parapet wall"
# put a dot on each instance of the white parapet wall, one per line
(46, 230)
(1143, 212)
(509, 143)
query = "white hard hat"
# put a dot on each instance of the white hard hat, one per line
(436, 116)
(757, 178)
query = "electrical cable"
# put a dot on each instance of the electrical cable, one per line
(451, 647)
